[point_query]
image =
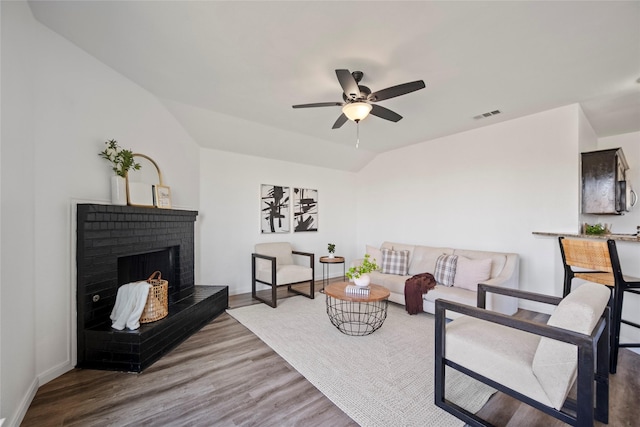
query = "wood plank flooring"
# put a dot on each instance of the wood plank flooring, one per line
(225, 376)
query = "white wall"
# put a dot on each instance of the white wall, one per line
(17, 262)
(59, 106)
(486, 189)
(230, 205)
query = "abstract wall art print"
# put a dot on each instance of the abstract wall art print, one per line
(274, 209)
(305, 209)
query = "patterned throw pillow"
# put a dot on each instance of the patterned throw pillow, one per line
(445, 272)
(395, 262)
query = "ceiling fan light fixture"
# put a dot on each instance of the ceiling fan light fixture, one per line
(356, 111)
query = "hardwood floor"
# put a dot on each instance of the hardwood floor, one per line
(225, 376)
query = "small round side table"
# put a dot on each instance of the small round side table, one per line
(326, 262)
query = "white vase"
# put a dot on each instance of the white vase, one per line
(332, 256)
(363, 280)
(118, 190)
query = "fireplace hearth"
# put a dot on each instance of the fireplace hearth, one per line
(122, 244)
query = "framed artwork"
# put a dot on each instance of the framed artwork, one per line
(162, 196)
(274, 209)
(305, 209)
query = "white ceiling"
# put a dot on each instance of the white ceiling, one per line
(230, 70)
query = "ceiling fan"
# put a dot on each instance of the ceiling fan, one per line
(359, 101)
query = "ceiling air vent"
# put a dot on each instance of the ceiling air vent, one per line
(485, 115)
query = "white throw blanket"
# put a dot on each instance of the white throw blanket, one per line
(130, 303)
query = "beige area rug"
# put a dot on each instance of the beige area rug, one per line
(383, 379)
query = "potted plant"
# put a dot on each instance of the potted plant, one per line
(122, 162)
(359, 274)
(331, 247)
(596, 229)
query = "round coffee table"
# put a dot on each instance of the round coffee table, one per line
(356, 314)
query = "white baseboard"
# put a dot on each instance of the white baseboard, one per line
(16, 419)
(54, 373)
(44, 378)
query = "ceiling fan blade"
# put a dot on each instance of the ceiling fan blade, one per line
(318, 104)
(341, 120)
(385, 113)
(393, 91)
(348, 83)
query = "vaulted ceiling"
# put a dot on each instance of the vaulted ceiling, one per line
(230, 71)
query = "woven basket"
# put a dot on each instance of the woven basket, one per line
(157, 306)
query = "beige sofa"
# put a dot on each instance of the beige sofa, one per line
(504, 271)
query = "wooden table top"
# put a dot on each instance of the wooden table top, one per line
(337, 290)
(328, 260)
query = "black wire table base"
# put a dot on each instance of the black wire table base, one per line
(356, 318)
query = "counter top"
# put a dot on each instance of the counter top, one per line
(617, 237)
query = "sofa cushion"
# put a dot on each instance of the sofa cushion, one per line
(424, 259)
(470, 272)
(451, 293)
(498, 260)
(375, 254)
(445, 271)
(555, 362)
(393, 282)
(395, 262)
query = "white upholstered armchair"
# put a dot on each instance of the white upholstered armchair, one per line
(273, 264)
(533, 362)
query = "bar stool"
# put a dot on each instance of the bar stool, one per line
(622, 284)
(599, 263)
(588, 255)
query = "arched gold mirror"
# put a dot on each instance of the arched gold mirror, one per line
(145, 186)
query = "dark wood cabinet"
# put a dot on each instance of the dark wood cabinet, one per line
(605, 188)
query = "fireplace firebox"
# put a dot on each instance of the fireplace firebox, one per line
(133, 268)
(121, 244)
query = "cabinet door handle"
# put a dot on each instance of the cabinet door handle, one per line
(634, 197)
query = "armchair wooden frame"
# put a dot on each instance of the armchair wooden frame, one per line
(593, 350)
(274, 286)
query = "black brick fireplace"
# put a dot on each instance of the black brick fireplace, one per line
(121, 244)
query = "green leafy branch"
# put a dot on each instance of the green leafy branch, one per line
(367, 266)
(595, 229)
(121, 159)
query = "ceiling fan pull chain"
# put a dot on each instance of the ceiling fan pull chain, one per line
(357, 133)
